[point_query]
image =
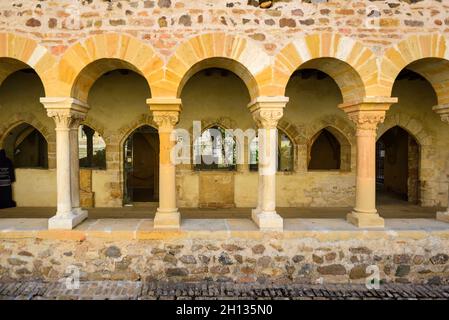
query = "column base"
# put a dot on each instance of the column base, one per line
(167, 220)
(365, 220)
(443, 216)
(267, 221)
(67, 221)
(79, 211)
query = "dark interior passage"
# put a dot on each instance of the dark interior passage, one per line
(325, 152)
(142, 166)
(27, 147)
(397, 166)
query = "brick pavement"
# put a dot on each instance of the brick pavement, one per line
(101, 290)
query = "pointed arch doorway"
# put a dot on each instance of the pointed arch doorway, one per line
(141, 167)
(397, 167)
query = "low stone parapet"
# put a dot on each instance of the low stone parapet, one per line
(308, 251)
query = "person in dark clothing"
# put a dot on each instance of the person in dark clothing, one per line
(7, 177)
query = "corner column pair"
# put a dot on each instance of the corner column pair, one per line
(67, 114)
(443, 111)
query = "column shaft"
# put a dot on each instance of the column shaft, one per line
(167, 175)
(75, 167)
(443, 112)
(366, 171)
(64, 208)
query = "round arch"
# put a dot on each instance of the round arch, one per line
(352, 65)
(217, 50)
(17, 52)
(85, 61)
(427, 55)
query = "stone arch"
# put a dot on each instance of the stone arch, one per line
(352, 65)
(77, 73)
(291, 131)
(21, 53)
(427, 55)
(342, 131)
(239, 55)
(94, 124)
(410, 124)
(26, 118)
(142, 120)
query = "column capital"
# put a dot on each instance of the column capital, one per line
(165, 111)
(267, 111)
(443, 111)
(66, 112)
(369, 112)
(88, 131)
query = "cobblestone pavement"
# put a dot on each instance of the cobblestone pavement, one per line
(212, 290)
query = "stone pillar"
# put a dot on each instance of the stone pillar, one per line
(443, 111)
(89, 145)
(75, 165)
(266, 112)
(366, 114)
(166, 115)
(67, 114)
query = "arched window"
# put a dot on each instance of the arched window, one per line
(285, 153)
(27, 147)
(325, 152)
(92, 148)
(215, 150)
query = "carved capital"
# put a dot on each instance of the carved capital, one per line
(443, 112)
(367, 114)
(67, 113)
(366, 120)
(267, 111)
(165, 112)
(165, 119)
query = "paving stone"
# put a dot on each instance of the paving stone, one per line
(123, 290)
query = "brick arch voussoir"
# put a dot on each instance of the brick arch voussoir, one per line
(407, 51)
(123, 47)
(238, 51)
(30, 53)
(361, 59)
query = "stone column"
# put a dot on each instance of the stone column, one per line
(266, 112)
(366, 114)
(90, 144)
(443, 111)
(166, 115)
(75, 165)
(67, 113)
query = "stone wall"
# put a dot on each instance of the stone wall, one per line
(163, 23)
(306, 257)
